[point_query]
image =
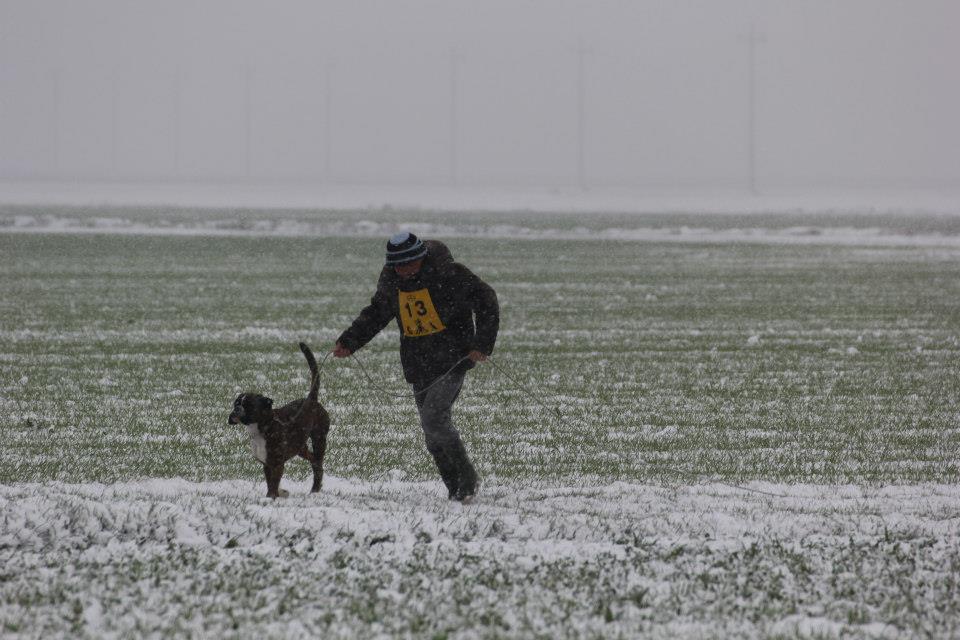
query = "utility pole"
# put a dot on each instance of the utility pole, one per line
(327, 118)
(582, 52)
(753, 39)
(57, 82)
(246, 118)
(177, 92)
(113, 124)
(454, 115)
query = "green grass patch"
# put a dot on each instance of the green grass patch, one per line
(121, 356)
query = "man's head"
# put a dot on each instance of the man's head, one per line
(405, 253)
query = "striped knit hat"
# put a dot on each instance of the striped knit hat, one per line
(404, 247)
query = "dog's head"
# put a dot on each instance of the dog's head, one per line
(251, 408)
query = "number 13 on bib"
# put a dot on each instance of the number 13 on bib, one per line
(418, 315)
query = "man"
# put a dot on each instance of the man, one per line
(448, 320)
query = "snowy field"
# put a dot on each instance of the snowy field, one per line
(830, 223)
(392, 558)
(758, 429)
(466, 199)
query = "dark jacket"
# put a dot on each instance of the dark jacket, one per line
(443, 312)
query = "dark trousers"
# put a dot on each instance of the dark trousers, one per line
(435, 404)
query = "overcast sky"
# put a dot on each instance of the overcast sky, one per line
(658, 94)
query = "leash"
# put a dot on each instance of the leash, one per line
(384, 390)
(553, 411)
(529, 394)
(405, 395)
(322, 360)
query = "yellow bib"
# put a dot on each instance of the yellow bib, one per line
(418, 315)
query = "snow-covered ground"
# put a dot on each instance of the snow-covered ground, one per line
(291, 210)
(466, 199)
(277, 224)
(392, 558)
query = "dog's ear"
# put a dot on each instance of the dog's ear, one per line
(266, 403)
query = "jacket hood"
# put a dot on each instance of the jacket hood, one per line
(438, 252)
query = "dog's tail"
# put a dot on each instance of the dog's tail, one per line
(314, 372)
(314, 382)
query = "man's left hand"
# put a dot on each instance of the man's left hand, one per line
(477, 356)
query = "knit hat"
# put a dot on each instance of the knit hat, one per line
(404, 247)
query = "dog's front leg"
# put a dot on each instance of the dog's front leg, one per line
(273, 474)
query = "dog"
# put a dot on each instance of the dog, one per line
(277, 435)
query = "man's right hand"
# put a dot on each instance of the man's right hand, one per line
(340, 351)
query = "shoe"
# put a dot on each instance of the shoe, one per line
(465, 474)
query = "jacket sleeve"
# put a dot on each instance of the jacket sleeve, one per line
(486, 310)
(372, 319)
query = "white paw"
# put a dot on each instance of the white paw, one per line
(283, 493)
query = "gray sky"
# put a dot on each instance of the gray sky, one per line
(652, 94)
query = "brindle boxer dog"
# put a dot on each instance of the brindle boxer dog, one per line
(277, 435)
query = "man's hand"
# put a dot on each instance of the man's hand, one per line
(340, 351)
(477, 356)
